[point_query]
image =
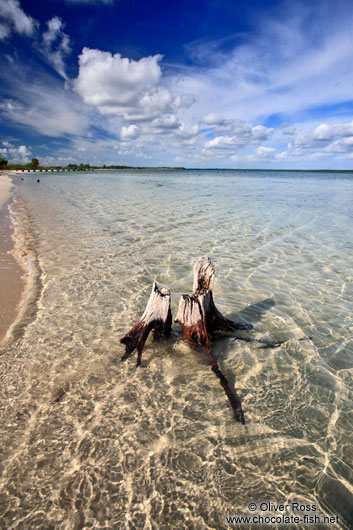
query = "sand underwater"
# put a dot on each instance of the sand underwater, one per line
(87, 441)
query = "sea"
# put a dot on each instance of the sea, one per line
(88, 441)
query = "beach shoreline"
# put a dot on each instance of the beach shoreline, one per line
(12, 280)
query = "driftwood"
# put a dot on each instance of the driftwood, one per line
(199, 319)
(157, 316)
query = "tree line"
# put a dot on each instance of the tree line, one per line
(34, 164)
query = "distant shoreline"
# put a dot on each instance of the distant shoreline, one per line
(14, 171)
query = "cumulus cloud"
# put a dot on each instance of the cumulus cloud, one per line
(327, 132)
(222, 142)
(186, 100)
(162, 134)
(15, 154)
(115, 84)
(323, 140)
(56, 45)
(213, 119)
(13, 18)
(122, 86)
(242, 133)
(129, 133)
(262, 153)
(241, 129)
(187, 130)
(166, 123)
(259, 132)
(174, 131)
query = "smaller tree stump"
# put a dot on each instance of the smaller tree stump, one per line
(157, 316)
(204, 273)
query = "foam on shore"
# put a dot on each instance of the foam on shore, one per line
(18, 263)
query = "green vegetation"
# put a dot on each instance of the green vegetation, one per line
(35, 165)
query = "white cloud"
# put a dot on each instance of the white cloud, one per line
(242, 134)
(174, 132)
(305, 144)
(262, 152)
(168, 122)
(286, 65)
(328, 132)
(323, 140)
(323, 132)
(187, 130)
(4, 31)
(241, 131)
(151, 104)
(186, 100)
(13, 18)
(54, 113)
(121, 86)
(221, 142)
(261, 133)
(19, 155)
(56, 45)
(213, 119)
(129, 133)
(116, 85)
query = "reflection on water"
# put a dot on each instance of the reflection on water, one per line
(89, 442)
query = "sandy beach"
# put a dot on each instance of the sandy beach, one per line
(11, 282)
(5, 188)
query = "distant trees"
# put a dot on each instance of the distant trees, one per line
(33, 164)
(3, 163)
(78, 167)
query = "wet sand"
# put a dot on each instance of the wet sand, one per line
(11, 281)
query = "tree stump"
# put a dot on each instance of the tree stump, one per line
(199, 319)
(157, 316)
(197, 314)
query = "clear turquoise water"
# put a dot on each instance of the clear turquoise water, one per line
(89, 442)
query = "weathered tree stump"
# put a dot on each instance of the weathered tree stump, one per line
(199, 319)
(157, 316)
(197, 314)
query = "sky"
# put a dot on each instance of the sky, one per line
(201, 84)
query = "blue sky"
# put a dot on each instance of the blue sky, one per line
(217, 83)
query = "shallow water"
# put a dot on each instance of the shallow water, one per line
(89, 442)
